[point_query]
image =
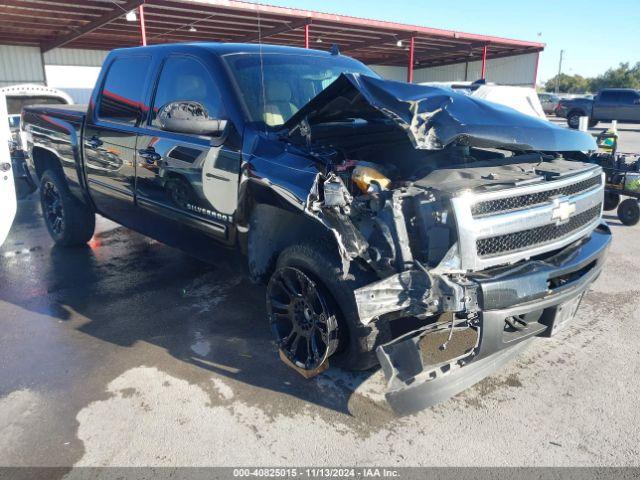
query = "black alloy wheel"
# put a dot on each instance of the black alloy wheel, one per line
(70, 221)
(52, 206)
(304, 326)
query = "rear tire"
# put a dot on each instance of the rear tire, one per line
(179, 192)
(69, 221)
(356, 342)
(611, 200)
(629, 211)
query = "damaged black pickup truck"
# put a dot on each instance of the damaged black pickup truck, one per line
(436, 230)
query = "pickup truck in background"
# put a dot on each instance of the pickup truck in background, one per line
(439, 231)
(621, 104)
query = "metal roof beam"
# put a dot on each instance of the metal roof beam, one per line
(94, 25)
(274, 31)
(447, 51)
(17, 6)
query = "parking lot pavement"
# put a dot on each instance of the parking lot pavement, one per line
(128, 352)
(628, 134)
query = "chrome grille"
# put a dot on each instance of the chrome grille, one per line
(516, 241)
(505, 226)
(523, 201)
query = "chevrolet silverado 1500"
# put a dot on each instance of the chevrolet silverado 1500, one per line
(439, 231)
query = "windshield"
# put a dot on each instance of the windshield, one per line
(290, 81)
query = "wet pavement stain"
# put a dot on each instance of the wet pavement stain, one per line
(183, 347)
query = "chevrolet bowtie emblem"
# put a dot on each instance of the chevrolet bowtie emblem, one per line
(562, 210)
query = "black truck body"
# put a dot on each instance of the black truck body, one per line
(440, 231)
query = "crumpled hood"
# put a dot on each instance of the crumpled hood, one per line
(434, 117)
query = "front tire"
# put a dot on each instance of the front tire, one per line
(356, 343)
(69, 221)
(302, 319)
(611, 200)
(629, 211)
(573, 119)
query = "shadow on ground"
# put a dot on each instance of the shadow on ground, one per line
(124, 288)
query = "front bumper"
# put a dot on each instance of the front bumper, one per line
(539, 297)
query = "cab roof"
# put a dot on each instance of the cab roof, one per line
(219, 48)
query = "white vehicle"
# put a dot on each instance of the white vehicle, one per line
(523, 99)
(18, 97)
(8, 203)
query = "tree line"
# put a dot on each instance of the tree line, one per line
(622, 76)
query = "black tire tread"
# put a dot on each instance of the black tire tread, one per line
(80, 220)
(579, 113)
(611, 201)
(629, 212)
(324, 265)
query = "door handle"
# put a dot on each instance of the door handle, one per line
(217, 177)
(149, 154)
(94, 142)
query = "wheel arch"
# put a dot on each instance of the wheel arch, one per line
(44, 159)
(580, 111)
(271, 229)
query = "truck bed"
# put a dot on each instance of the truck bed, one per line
(70, 113)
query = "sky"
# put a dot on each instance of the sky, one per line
(595, 35)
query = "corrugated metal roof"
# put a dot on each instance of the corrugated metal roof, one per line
(100, 24)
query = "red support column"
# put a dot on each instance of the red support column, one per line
(411, 60)
(484, 62)
(143, 28)
(306, 36)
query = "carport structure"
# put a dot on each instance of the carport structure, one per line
(104, 24)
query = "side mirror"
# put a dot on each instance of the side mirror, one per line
(189, 117)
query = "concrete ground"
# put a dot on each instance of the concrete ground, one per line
(628, 134)
(128, 352)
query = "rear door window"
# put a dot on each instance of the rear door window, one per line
(186, 79)
(122, 95)
(627, 98)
